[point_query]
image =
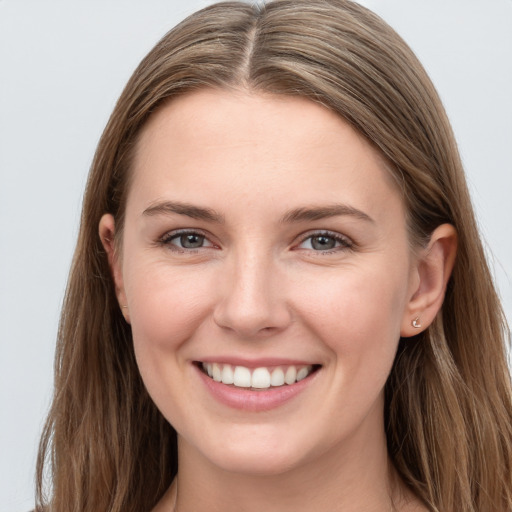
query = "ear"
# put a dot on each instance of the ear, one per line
(107, 236)
(432, 270)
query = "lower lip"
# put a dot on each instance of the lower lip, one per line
(255, 401)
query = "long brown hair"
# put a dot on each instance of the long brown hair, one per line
(106, 447)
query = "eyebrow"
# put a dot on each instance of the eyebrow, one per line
(302, 214)
(190, 210)
(323, 212)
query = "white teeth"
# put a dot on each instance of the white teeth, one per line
(277, 378)
(227, 374)
(260, 378)
(302, 373)
(207, 367)
(242, 377)
(291, 375)
(216, 373)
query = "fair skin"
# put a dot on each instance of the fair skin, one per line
(264, 232)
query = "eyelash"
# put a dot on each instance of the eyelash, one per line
(167, 239)
(344, 242)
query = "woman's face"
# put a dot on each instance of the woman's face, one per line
(264, 240)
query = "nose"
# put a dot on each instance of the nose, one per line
(252, 302)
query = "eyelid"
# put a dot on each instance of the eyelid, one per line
(166, 239)
(345, 241)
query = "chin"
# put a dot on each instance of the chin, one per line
(258, 453)
(258, 463)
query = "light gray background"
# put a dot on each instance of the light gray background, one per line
(63, 65)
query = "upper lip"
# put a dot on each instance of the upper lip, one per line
(257, 363)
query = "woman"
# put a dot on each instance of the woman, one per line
(279, 298)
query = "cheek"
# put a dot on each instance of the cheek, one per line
(358, 315)
(166, 305)
(358, 319)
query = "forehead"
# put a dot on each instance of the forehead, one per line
(240, 142)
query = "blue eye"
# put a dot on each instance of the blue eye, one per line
(188, 240)
(325, 242)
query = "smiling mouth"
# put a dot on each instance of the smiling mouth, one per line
(255, 379)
